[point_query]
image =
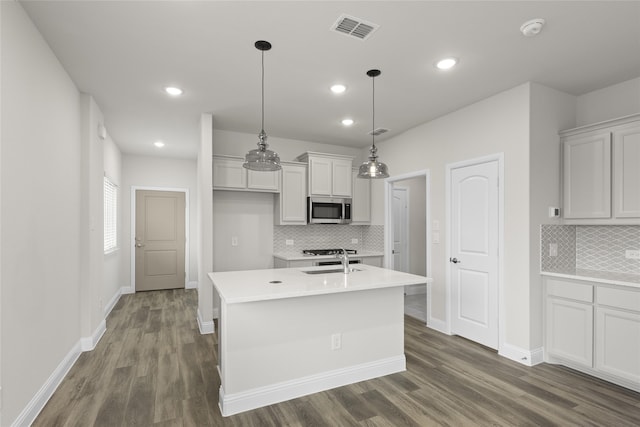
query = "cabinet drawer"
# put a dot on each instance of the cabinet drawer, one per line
(619, 298)
(571, 290)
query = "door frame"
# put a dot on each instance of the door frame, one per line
(406, 246)
(388, 214)
(132, 239)
(499, 157)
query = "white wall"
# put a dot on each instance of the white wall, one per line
(551, 111)
(611, 102)
(41, 205)
(157, 172)
(497, 124)
(249, 218)
(237, 144)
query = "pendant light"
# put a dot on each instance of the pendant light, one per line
(261, 158)
(373, 169)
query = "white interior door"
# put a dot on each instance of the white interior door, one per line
(474, 252)
(160, 240)
(400, 230)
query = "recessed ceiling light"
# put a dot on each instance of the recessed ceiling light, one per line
(446, 63)
(338, 88)
(172, 90)
(347, 122)
(159, 144)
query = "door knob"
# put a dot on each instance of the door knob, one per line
(139, 245)
(454, 260)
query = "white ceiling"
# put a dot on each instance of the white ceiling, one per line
(124, 53)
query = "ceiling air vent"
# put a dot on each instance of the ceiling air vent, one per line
(355, 27)
(378, 131)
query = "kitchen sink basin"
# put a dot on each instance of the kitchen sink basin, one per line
(333, 270)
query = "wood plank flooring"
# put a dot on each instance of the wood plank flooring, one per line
(153, 368)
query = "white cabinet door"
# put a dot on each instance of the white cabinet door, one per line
(341, 178)
(569, 331)
(587, 175)
(626, 166)
(291, 207)
(229, 174)
(320, 170)
(361, 199)
(618, 343)
(263, 181)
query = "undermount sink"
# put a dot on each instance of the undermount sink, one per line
(333, 270)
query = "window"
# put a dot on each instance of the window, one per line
(110, 216)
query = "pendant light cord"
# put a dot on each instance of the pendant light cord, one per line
(263, 91)
(373, 108)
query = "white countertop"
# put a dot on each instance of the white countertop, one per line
(254, 285)
(297, 256)
(621, 279)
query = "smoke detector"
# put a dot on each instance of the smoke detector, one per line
(533, 27)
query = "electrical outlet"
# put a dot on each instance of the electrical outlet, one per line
(435, 237)
(632, 254)
(336, 341)
(234, 241)
(553, 249)
(354, 241)
(288, 242)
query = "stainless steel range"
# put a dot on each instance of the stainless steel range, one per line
(327, 251)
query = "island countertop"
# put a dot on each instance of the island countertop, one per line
(270, 284)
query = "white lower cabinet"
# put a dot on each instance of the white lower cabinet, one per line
(570, 330)
(595, 328)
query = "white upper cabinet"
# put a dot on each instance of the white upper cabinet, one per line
(587, 176)
(626, 166)
(291, 204)
(361, 199)
(228, 174)
(601, 173)
(329, 175)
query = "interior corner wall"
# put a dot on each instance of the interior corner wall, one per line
(611, 102)
(551, 112)
(41, 205)
(208, 300)
(158, 172)
(498, 124)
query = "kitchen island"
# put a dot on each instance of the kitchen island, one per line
(289, 332)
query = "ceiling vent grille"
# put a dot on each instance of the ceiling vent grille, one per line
(378, 131)
(354, 27)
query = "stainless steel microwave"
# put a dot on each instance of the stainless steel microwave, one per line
(328, 210)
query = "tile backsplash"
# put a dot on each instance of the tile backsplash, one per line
(590, 247)
(325, 236)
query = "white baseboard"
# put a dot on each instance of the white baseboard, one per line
(114, 300)
(191, 285)
(89, 343)
(127, 290)
(520, 355)
(205, 326)
(231, 404)
(438, 325)
(33, 408)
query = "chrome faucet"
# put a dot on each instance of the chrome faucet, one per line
(344, 256)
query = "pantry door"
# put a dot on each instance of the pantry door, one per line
(473, 257)
(159, 240)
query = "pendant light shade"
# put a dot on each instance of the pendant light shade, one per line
(373, 169)
(262, 159)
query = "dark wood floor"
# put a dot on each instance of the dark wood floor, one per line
(153, 368)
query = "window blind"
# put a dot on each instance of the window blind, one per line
(110, 216)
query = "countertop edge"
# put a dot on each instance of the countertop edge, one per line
(584, 276)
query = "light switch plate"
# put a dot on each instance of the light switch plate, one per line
(354, 241)
(553, 249)
(288, 242)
